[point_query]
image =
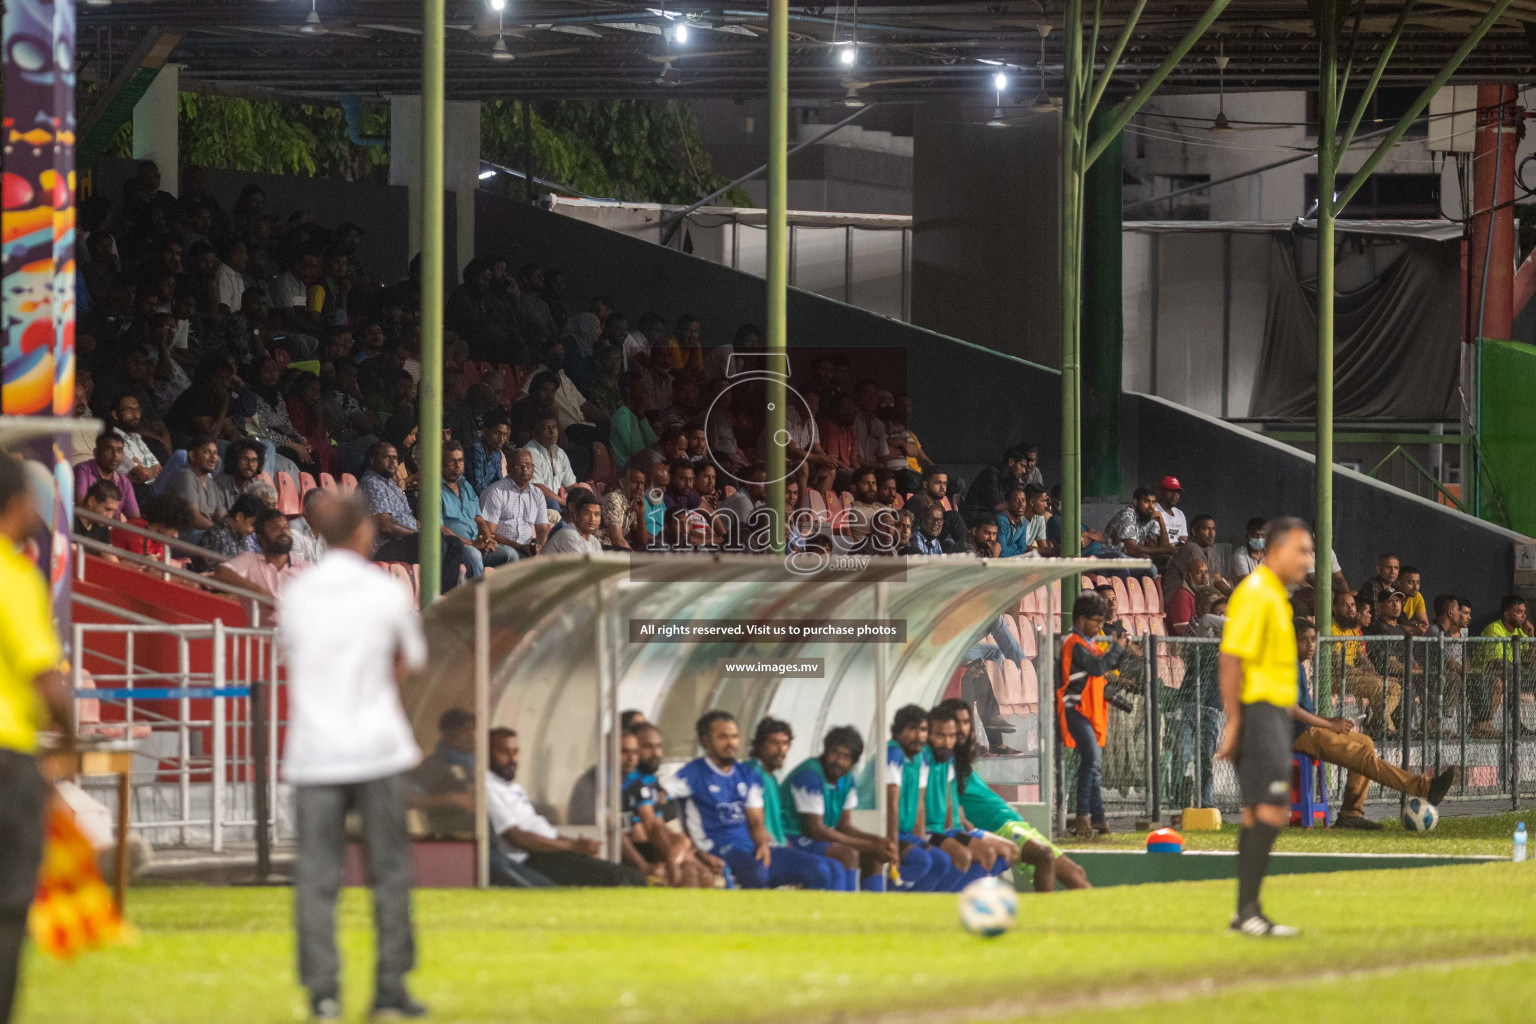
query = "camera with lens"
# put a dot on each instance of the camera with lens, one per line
(1113, 696)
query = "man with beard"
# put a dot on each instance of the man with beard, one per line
(770, 749)
(908, 762)
(268, 570)
(444, 781)
(1362, 680)
(1169, 493)
(1038, 859)
(974, 857)
(140, 461)
(989, 491)
(647, 808)
(530, 853)
(1139, 530)
(724, 815)
(818, 799)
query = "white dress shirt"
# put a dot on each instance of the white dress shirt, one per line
(344, 621)
(551, 469)
(136, 453)
(307, 546)
(508, 805)
(230, 285)
(513, 511)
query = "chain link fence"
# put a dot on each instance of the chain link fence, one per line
(1426, 703)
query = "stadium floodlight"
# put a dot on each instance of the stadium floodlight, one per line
(849, 55)
(680, 33)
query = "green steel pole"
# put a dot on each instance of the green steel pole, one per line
(430, 398)
(1327, 167)
(1101, 332)
(1072, 129)
(778, 253)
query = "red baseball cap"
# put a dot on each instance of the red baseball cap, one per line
(1171, 483)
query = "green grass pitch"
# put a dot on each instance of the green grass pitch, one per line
(1488, 835)
(1160, 952)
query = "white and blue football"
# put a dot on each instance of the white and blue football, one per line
(1419, 815)
(988, 907)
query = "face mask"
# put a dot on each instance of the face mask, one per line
(1256, 543)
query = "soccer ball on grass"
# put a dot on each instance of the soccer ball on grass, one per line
(988, 907)
(1419, 815)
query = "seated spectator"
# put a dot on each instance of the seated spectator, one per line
(726, 816)
(680, 496)
(629, 432)
(579, 535)
(106, 465)
(698, 445)
(483, 458)
(1138, 530)
(983, 534)
(1387, 569)
(140, 461)
(1114, 626)
(104, 499)
(1337, 741)
(723, 446)
(706, 485)
(1179, 605)
(230, 536)
(1013, 524)
(1493, 664)
(539, 402)
(1415, 615)
(264, 571)
(515, 508)
(444, 781)
(196, 485)
(529, 852)
(658, 477)
(887, 492)
(928, 538)
(551, 467)
(165, 514)
(1361, 679)
(1201, 545)
(935, 490)
(306, 411)
(1210, 618)
(733, 520)
(308, 545)
(798, 522)
(605, 393)
(399, 538)
(462, 518)
(1245, 560)
(242, 469)
(862, 513)
(989, 491)
(623, 518)
(1169, 493)
(579, 344)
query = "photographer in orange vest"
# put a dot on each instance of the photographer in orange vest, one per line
(1082, 704)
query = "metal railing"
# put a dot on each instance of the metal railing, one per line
(1426, 703)
(204, 730)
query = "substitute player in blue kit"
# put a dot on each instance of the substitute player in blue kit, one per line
(723, 814)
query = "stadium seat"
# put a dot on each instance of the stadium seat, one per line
(348, 483)
(306, 484)
(1156, 626)
(1153, 591)
(1011, 626)
(327, 482)
(1088, 582)
(1136, 599)
(1031, 683)
(289, 503)
(266, 478)
(1122, 597)
(1029, 640)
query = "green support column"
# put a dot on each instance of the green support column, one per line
(1327, 167)
(778, 253)
(1102, 323)
(1071, 276)
(430, 398)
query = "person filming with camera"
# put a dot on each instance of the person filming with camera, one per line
(1083, 699)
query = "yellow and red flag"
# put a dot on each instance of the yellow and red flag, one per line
(73, 909)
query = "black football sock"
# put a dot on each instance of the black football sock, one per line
(1253, 846)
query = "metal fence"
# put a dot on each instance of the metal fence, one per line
(201, 707)
(1426, 703)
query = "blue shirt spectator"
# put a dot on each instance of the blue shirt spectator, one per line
(1012, 539)
(460, 510)
(482, 468)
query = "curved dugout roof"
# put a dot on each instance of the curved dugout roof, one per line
(545, 616)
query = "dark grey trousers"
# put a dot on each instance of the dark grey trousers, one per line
(322, 840)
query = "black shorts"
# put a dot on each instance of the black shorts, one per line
(23, 798)
(651, 854)
(1264, 755)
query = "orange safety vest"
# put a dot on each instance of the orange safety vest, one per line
(1091, 705)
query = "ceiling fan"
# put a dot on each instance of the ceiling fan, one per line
(852, 98)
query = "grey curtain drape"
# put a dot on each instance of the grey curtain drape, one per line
(1396, 339)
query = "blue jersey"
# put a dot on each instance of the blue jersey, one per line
(717, 803)
(806, 790)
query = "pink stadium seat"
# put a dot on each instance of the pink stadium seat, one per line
(1010, 625)
(1122, 599)
(847, 497)
(266, 478)
(327, 482)
(1136, 599)
(1028, 640)
(289, 503)
(817, 503)
(1087, 582)
(1031, 683)
(1055, 606)
(1154, 595)
(306, 484)
(1156, 626)
(348, 483)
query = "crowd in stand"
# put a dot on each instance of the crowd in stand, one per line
(719, 820)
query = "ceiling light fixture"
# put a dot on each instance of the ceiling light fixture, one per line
(498, 6)
(851, 98)
(680, 34)
(1221, 124)
(499, 51)
(487, 174)
(848, 55)
(312, 26)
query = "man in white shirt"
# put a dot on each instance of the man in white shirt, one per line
(228, 276)
(515, 507)
(579, 535)
(349, 633)
(529, 852)
(874, 448)
(552, 472)
(308, 545)
(138, 461)
(1169, 493)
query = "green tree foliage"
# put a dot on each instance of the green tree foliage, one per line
(619, 149)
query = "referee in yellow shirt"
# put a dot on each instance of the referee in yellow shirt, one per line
(1258, 691)
(31, 692)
